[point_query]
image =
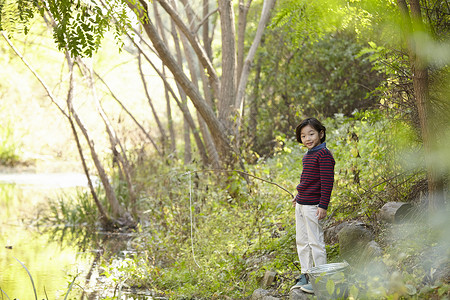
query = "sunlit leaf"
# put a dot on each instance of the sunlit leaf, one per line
(330, 287)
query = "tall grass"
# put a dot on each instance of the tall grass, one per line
(10, 153)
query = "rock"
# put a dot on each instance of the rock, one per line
(353, 240)
(268, 279)
(262, 294)
(298, 294)
(331, 233)
(258, 294)
(373, 250)
(270, 298)
(442, 274)
(395, 212)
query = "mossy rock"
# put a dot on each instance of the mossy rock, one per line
(353, 241)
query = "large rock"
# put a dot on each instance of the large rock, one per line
(297, 294)
(331, 233)
(262, 294)
(373, 250)
(395, 212)
(353, 241)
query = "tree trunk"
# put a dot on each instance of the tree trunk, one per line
(184, 109)
(173, 145)
(220, 132)
(116, 208)
(205, 30)
(104, 219)
(198, 49)
(253, 115)
(228, 80)
(419, 68)
(265, 16)
(242, 25)
(152, 107)
(194, 68)
(120, 154)
(186, 128)
(160, 25)
(130, 115)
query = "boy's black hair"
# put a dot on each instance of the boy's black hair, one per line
(314, 123)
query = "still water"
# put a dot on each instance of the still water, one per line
(52, 262)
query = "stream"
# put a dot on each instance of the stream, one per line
(50, 256)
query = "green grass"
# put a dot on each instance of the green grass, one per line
(10, 153)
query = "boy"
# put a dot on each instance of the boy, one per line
(313, 197)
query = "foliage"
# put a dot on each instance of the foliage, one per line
(79, 26)
(309, 20)
(10, 153)
(413, 266)
(312, 20)
(320, 79)
(16, 15)
(80, 208)
(194, 234)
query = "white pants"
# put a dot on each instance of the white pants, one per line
(309, 237)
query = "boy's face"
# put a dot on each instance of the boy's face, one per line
(310, 137)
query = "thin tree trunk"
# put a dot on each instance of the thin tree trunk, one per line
(421, 93)
(116, 208)
(160, 25)
(242, 25)
(419, 70)
(207, 38)
(173, 146)
(205, 30)
(152, 107)
(186, 128)
(198, 49)
(104, 219)
(265, 16)
(130, 115)
(212, 152)
(114, 140)
(220, 132)
(194, 71)
(253, 115)
(184, 109)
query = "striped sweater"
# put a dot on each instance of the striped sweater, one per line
(316, 181)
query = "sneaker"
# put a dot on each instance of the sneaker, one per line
(307, 288)
(301, 281)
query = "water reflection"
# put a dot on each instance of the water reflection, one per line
(53, 255)
(51, 265)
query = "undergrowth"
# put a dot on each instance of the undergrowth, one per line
(10, 153)
(213, 234)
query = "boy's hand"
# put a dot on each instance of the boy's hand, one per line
(293, 202)
(321, 213)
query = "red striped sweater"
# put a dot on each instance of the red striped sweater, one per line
(316, 181)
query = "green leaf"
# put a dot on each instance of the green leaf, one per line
(372, 44)
(330, 287)
(354, 291)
